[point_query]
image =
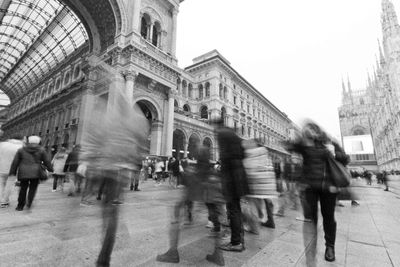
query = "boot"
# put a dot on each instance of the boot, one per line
(171, 256)
(330, 253)
(216, 257)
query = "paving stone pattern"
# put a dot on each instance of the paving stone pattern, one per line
(58, 232)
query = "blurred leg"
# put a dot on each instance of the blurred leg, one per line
(22, 193)
(110, 216)
(33, 185)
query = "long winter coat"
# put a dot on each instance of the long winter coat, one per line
(234, 180)
(8, 149)
(315, 172)
(27, 162)
(59, 162)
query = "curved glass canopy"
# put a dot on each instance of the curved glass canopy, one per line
(35, 36)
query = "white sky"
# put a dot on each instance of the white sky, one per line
(294, 52)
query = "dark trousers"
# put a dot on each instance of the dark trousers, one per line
(56, 178)
(111, 191)
(328, 203)
(236, 222)
(213, 215)
(32, 184)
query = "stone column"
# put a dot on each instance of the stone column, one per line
(87, 104)
(170, 124)
(136, 15)
(150, 33)
(130, 77)
(174, 31)
(185, 149)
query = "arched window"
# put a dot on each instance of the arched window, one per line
(221, 91)
(190, 90)
(225, 93)
(223, 115)
(201, 91)
(186, 108)
(204, 112)
(184, 88)
(144, 26)
(207, 89)
(155, 39)
(176, 105)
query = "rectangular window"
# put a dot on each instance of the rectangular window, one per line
(234, 100)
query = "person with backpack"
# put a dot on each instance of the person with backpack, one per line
(28, 163)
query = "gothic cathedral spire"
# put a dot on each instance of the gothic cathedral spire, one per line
(390, 24)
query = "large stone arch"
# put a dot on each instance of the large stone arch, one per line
(152, 103)
(103, 20)
(193, 144)
(154, 115)
(178, 143)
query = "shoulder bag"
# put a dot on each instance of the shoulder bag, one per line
(339, 173)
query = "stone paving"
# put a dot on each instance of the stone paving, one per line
(58, 232)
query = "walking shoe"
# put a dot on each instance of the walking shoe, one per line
(131, 188)
(303, 219)
(117, 202)
(330, 253)
(387, 189)
(209, 224)
(171, 256)
(339, 204)
(268, 224)
(226, 235)
(280, 214)
(355, 203)
(70, 195)
(234, 248)
(29, 205)
(86, 204)
(18, 208)
(4, 205)
(216, 258)
(213, 232)
(137, 189)
(54, 190)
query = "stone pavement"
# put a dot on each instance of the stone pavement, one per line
(58, 232)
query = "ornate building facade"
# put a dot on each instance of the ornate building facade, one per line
(137, 40)
(380, 105)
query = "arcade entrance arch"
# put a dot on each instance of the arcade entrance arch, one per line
(155, 128)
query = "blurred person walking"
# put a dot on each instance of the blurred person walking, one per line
(71, 168)
(8, 149)
(58, 163)
(201, 184)
(385, 179)
(262, 183)
(113, 145)
(319, 183)
(28, 162)
(234, 182)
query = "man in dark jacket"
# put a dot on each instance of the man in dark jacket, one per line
(27, 162)
(234, 182)
(71, 166)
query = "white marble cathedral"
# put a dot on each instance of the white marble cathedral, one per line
(376, 110)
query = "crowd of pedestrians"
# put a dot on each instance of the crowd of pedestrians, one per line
(240, 191)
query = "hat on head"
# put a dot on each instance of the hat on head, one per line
(34, 139)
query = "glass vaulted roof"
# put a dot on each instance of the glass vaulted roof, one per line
(35, 36)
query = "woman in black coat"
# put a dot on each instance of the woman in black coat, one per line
(27, 162)
(319, 186)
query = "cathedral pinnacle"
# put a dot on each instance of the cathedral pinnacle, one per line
(381, 55)
(343, 87)
(390, 24)
(348, 83)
